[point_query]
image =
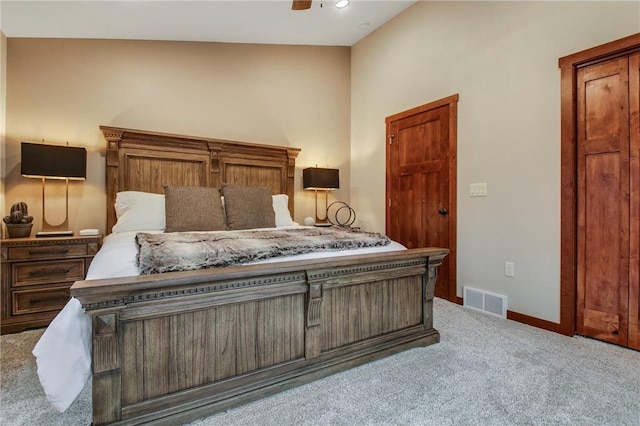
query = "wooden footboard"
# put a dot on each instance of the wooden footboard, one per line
(174, 347)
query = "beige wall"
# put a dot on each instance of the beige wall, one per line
(502, 58)
(3, 110)
(62, 90)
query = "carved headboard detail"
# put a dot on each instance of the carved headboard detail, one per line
(139, 160)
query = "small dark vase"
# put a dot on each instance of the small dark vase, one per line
(19, 230)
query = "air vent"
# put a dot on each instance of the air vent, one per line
(484, 301)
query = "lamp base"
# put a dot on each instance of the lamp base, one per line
(322, 224)
(45, 234)
(61, 230)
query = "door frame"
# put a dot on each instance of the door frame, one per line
(569, 66)
(452, 103)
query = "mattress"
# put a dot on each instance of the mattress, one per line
(63, 353)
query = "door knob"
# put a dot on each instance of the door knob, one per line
(443, 211)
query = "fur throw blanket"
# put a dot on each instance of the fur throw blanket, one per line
(186, 251)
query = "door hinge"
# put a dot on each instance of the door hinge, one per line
(391, 139)
(389, 202)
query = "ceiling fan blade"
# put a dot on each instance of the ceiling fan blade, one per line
(301, 4)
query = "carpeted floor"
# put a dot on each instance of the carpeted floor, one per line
(485, 371)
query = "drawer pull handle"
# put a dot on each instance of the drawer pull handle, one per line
(54, 251)
(43, 272)
(48, 300)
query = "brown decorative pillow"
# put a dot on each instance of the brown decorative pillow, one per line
(248, 207)
(193, 208)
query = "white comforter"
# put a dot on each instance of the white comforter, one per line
(63, 353)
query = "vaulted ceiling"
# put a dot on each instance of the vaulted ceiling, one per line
(239, 21)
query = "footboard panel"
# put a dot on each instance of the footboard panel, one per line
(177, 352)
(177, 346)
(359, 312)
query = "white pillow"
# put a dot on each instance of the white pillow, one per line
(139, 211)
(281, 208)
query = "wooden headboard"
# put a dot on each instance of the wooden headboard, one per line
(139, 160)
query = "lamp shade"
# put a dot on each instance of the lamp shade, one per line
(319, 178)
(53, 161)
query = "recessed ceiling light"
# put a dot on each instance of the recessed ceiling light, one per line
(340, 4)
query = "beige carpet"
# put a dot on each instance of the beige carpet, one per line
(485, 371)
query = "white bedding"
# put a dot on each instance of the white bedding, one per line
(63, 353)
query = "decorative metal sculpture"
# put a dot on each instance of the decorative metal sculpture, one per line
(337, 214)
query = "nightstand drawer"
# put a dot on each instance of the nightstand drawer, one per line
(36, 275)
(47, 272)
(48, 251)
(30, 301)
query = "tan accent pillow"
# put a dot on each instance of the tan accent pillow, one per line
(248, 207)
(193, 208)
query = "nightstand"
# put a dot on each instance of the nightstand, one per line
(36, 276)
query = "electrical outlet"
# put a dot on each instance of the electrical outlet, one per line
(509, 269)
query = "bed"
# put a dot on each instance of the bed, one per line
(168, 348)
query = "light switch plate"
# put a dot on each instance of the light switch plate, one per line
(509, 269)
(478, 189)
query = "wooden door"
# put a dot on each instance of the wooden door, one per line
(603, 175)
(634, 210)
(421, 183)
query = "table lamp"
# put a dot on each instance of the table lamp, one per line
(319, 179)
(54, 162)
